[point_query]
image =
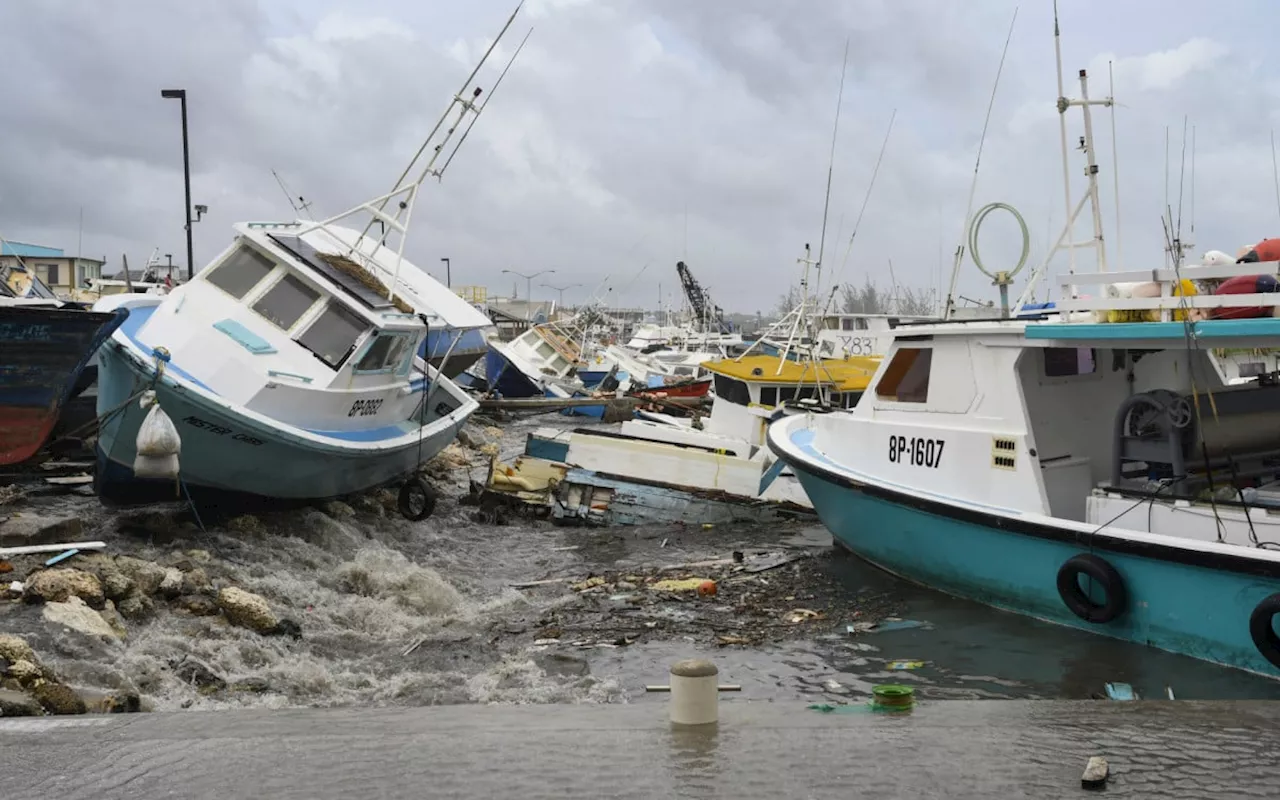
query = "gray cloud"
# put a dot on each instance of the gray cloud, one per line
(618, 117)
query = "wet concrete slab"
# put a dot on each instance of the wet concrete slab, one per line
(955, 749)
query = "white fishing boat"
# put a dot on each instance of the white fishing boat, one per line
(1108, 464)
(289, 365)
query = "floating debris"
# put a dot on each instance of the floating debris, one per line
(901, 665)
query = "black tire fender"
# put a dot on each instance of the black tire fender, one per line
(405, 502)
(1103, 574)
(1263, 632)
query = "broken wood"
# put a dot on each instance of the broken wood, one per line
(29, 549)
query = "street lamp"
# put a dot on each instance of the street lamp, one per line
(560, 289)
(448, 275)
(528, 284)
(181, 94)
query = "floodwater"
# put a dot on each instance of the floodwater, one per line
(396, 613)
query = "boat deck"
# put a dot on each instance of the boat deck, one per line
(1006, 749)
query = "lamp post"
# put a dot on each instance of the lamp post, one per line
(528, 285)
(181, 94)
(560, 289)
(448, 275)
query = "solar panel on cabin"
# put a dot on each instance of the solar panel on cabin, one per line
(351, 284)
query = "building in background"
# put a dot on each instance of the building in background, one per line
(68, 276)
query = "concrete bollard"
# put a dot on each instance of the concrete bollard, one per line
(695, 692)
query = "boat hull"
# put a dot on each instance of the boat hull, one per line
(463, 348)
(43, 354)
(1174, 603)
(228, 454)
(505, 378)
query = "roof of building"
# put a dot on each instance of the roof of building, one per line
(24, 250)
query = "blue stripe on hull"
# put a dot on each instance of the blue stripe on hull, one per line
(248, 458)
(1195, 611)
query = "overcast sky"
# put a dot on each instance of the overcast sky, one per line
(633, 133)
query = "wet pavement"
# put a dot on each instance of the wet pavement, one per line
(953, 749)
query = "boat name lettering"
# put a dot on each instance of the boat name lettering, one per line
(365, 408)
(916, 451)
(218, 430)
(16, 332)
(857, 345)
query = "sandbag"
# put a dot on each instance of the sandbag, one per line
(157, 437)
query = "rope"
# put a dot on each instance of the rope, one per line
(976, 225)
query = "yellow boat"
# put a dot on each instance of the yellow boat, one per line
(767, 381)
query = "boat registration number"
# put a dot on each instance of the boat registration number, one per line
(916, 451)
(365, 408)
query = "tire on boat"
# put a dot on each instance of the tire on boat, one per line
(417, 499)
(1263, 632)
(1104, 575)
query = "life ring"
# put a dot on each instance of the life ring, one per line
(1101, 573)
(1263, 632)
(417, 500)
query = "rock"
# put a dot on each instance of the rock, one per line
(17, 704)
(198, 674)
(171, 584)
(198, 605)
(112, 703)
(251, 684)
(247, 610)
(135, 606)
(200, 556)
(28, 528)
(114, 619)
(493, 432)
(14, 648)
(156, 527)
(196, 581)
(4, 665)
(287, 627)
(59, 699)
(77, 616)
(467, 440)
(562, 664)
(11, 494)
(26, 673)
(246, 524)
(146, 575)
(338, 509)
(115, 584)
(490, 450)
(59, 585)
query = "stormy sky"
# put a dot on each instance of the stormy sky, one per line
(634, 133)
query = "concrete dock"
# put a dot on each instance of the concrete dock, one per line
(988, 749)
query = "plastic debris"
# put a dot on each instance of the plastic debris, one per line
(680, 585)
(730, 639)
(589, 583)
(1121, 691)
(707, 588)
(892, 697)
(1095, 773)
(16, 587)
(799, 615)
(885, 625)
(1169, 691)
(900, 665)
(61, 557)
(769, 561)
(5, 566)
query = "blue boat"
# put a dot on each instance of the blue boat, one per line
(453, 350)
(45, 350)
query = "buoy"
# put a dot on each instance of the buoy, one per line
(695, 692)
(707, 588)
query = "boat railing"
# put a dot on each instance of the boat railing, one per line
(1134, 290)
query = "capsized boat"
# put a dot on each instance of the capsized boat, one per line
(661, 460)
(289, 364)
(1110, 466)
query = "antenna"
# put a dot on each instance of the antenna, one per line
(977, 163)
(301, 206)
(1115, 166)
(405, 192)
(831, 162)
(1275, 175)
(866, 198)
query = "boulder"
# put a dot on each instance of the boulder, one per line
(251, 684)
(59, 699)
(198, 605)
(338, 509)
(27, 528)
(287, 627)
(196, 581)
(111, 702)
(59, 585)
(14, 648)
(77, 616)
(26, 673)
(17, 704)
(146, 575)
(114, 618)
(247, 610)
(198, 674)
(171, 584)
(135, 606)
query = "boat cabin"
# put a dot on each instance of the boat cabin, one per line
(858, 334)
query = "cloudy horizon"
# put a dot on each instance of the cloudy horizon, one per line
(634, 133)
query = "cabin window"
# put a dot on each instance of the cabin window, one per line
(732, 391)
(906, 380)
(333, 335)
(1062, 362)
(846, 324)
(387, 353)
(286, 302)
(241, 271)
(769, 395)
